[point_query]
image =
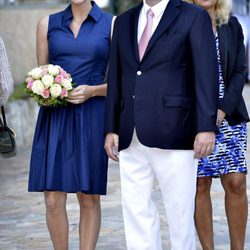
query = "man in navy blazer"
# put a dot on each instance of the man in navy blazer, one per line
(162, 109)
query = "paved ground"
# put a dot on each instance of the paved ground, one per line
(22, 220)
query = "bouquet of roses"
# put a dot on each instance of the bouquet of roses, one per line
(49, 85)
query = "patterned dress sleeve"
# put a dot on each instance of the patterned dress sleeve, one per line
(6, 80)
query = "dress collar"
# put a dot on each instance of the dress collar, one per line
(95, 13)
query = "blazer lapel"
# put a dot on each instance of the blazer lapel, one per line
(169, 15)
(134, 30)
(223, 46)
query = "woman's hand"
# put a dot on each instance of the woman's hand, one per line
(220, 116)
(81, 94)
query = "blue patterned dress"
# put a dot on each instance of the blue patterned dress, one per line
(229, 155)
(68, 150)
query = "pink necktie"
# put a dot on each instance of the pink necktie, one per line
(146, 35)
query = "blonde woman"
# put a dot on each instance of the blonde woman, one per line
(228, 160)
(68, 154)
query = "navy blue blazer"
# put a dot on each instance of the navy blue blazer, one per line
(172, 94)
(234, 69)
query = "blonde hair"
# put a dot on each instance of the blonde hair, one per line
(222, 11)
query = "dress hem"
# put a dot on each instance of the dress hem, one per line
(69, 192)
(218, 175)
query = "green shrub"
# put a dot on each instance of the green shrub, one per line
(19, 93)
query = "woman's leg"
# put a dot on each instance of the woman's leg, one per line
(90, 220)
(203, 213)
(57, 219)
(236, 206)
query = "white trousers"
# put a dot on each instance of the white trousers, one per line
(176, 172)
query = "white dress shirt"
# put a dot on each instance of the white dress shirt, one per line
(158, 10)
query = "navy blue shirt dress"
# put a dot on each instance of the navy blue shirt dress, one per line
(68, 149)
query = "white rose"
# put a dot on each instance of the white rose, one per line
(55, 90)
(38, 87)
(53, 70)
(47, 80)
(66, 83)
(36, 73)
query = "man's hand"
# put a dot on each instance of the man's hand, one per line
(111, 146)
(204, 144)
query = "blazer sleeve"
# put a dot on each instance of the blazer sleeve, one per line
(234, 90)
(205, 72)
(113, 90)
(6, 80)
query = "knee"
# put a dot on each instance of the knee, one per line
(53, 204)
(235, 187)
(89, 202)
(203, 186)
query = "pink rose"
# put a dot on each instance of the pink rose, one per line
(29, 85)
(64, 93)
(46, 93)
(59, 79)
(63, 73)
(44, 72)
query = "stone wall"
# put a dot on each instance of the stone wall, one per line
(21, 116)
(18, 30)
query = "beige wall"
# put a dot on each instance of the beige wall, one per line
(18, 30)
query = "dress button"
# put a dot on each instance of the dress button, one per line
(139, 73)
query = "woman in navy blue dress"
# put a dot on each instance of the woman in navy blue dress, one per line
(68, 150)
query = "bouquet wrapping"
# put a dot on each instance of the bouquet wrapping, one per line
(49, 85)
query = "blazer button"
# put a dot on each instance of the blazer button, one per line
(133, 96)
(139, 73)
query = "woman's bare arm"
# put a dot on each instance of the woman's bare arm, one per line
(42, 52)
